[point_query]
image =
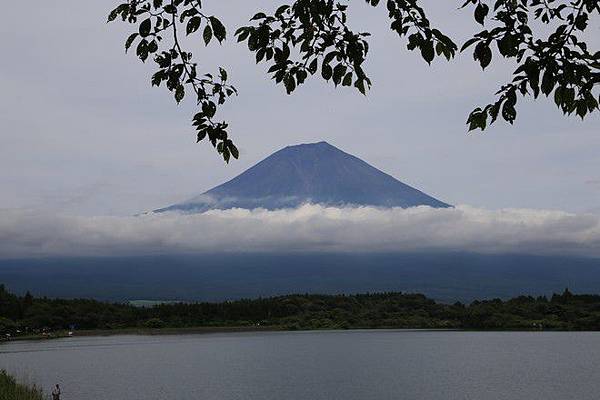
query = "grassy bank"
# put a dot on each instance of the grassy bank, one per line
(10, 389)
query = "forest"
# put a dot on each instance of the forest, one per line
(29, 315)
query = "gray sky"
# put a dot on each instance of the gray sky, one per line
(82, 132)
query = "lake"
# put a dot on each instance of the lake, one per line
(344, 365)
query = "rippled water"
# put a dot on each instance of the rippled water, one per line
(343, 365)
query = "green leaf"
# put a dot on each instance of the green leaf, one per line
(281, 10)
(326, 72)
(581, 22)
(201, 135)
(347, 79)
(483, 53)
(242, 33)
(193, 25)
(427, 52)
(145, 27)
(548, 82)
(360, 85)
(439, 48)
(481, 12)
(477, 119)
(207, 34)
(329, 57)
(312, 68)
(218, 29)
(569, 96)
(234, 151)
(558, 96)
(509, 113)
(469, 43)
(301, 76)
(338, 73)
(209, 109)
(179, 93)
(113, 15)
(260, 54)
(157, 78)
(582, 108)
(591, 102)
(130, 40)
(152, 47)
(142, 50)
(290, 83)
(259, 15)
(170, 9)
(225, 153)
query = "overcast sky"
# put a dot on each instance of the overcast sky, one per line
(83, 133)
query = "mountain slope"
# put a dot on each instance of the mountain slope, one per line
(309, 173)
(226, 276)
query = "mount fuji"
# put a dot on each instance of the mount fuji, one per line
(317, 173)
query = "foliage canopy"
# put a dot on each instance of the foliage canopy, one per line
(564, 311)
(305, 38)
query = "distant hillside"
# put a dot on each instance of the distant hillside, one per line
(316, 173)
(443, 276)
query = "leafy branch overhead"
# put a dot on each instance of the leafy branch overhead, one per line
(160, 26)
(313, 37)
(560, 65)
(319, 34)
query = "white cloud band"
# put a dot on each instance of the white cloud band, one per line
(26, 233)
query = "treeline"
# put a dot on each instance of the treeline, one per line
(566, 311)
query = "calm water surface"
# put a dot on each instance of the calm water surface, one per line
(343, 365)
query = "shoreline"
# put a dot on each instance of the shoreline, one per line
(202, 330)
(243, 329)
(146, 332)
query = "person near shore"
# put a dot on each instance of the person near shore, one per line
(56, 393)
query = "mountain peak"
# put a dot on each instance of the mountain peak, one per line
(309, 173)
(322, 145)
(313, 144)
